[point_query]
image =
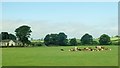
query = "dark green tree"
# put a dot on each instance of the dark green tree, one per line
(86, 39)
(55, 39)
(0, 37)
(12, 37)
(47, 40)
(5, 35)
(23, 33)
(104, 40)
(73, 42)
(51, 39)
(95, 43)
(62, 39)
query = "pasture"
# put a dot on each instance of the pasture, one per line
(53, 56)
(0, 57)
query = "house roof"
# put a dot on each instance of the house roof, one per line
(7, 40)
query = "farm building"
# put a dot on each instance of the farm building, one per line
(10, 43)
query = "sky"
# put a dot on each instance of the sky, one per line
(73, 18)
(59, 0)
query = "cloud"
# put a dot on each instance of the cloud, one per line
(73, 29)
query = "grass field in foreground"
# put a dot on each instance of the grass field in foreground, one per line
(52, 56)
(0, 57)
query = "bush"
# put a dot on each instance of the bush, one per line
(37, 44)
(104, 40)
(116, 42)
(95, 43)
(73, 42)
(86, 39)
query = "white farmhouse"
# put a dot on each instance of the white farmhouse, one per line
(10, 43)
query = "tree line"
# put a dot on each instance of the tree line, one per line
(23, 34)
(87, 39)
(56, 39)
(6, 35)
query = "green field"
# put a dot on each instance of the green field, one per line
(52, 56)
(0, 57)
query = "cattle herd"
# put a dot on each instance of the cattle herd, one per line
(96, 48)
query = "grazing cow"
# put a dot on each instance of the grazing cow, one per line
(78, 49)
(103, 47)
(75, 49)
(95, 49)
(72, 49)
(92, 50)
(98, 47)
(86, 49)
(62, 49)
(107, 49)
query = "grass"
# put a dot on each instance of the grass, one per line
(0, 57)
(52, 56)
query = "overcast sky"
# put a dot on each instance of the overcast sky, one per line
(73, 18)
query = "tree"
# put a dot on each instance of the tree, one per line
(12, 37)
(5, 35)
(0, 37)
(95, 43)
(86, 39)
(104, 40)
(73, 41)
(23, 33)
(51, 39)
(55, 39)
(47, 39)
(117, 36)
(62, 39)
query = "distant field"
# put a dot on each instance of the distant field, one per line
(114, 40)
(52, 56)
